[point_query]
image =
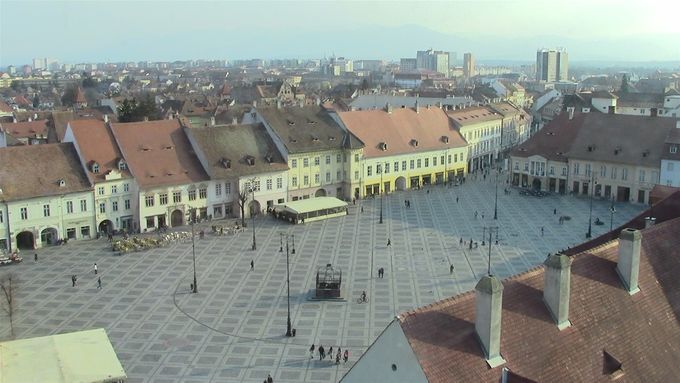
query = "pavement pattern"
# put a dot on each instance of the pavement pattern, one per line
(233, 329)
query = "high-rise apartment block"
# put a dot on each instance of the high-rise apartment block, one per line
(408, 65)
(552, 65)
(468, 65)
(437, 61)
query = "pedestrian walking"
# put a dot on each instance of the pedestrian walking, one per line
(389, 242)
(461, 241)
(541, 231)
(269, 378)
(252, 264)
(337, 357)
(330, 353)
(456, 199)
(95, 269)
(451, 269)
(362, 209)
(322, 354)
(74, 280)
(482, 216)
(35, 257)
(99, 283)
(346, 355)
(311, 351)
(554, 211)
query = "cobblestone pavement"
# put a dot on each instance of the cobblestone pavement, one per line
(233, 329)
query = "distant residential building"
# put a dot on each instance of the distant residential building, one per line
(437, 61)
(481, 127)
(552, 65)
(28, 132)
(45, 196)
(408, 64)
(378, 101)
(468, 65)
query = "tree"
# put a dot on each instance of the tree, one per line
(36, 101)
(242, 198)
(69, 96)
(8, 286)
(132, 111)
(89, 82)
(625, 88)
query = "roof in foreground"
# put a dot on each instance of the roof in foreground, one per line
(35, 170)
(642, 332)
(312, 204)
(96, 144)
(83, 356)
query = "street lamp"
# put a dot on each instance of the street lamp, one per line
(491, 229)
(288, 325)
(252, 213)
(590, 217)
(495, 206)
(381, 194)
(612, 210)
(192, 219)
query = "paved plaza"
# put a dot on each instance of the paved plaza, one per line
(233, 329)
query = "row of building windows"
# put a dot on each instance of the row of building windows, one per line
(536, 168)
(101, 190)
(317, 178)
(150, 200)
(23, 212)
(413, 164)
(114, 206)
(317, 160)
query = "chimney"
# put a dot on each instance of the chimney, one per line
(556, 288)
(234, 121)
(254, 103)
(489, 304)
(570, 110)
(388, 108)
(649, 221)
(146, 118)
(417, 107)
(628, 266)
(106, 118)
(212, 120)
(35, 116)
(318, 101)
(278, 104)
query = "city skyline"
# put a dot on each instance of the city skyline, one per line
(75, 32)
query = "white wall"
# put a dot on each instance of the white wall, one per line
(670, 173)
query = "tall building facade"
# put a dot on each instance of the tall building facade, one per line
(437, 61)
(552, 65)
(468, 65)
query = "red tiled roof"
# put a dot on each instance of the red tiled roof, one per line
(641, 331)
(5, 108)
(80, 96)
(554, 140)
(158, 153)
(27, 129)
(96, 143)
(474, 115)
(399, 128)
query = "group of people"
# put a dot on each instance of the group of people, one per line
(407, 203)
(74, 277)
(323, 355)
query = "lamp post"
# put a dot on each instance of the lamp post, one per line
(288, 324)
(495, 206)
(488, 267)
(612, 210)
(381, 194)
(252, 213)
(590, 217)
(192, 219)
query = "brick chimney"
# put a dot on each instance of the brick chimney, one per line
(628, 266)
(489, 304)
(556, 288)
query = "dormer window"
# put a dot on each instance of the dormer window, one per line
(250, 160)
(383, 146)
(122, 165)
(226, 163)
(445, 139)
(414, 142)
(269, 158)
(290, 122)
(331, 138)
(674, 148)
(315, 139)
(95, 167)
(62, 183)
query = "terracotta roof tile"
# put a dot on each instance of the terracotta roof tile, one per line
(29, 129)
(554, 140)
(158, 153)
(96, 143)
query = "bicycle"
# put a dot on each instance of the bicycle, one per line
(362, 300)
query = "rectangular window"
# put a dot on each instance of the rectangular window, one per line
(24, 213)
(114, 205)
(564, 171)
(588, 170)
(227, 188)
(455, 158)
(150, 221)
(316, 161)
(127, 204)
(613, 173)
(269, 184)
(624, 174)
(356, 175)
(71, 233)
(369, 170)
(427, 162)
(576, 168)
(654, 178)
(670, 167)
(83, 205)
(526, 166)
(387, 167)
(69, 207)
(328, 160)
(552, 170)
(449, 159)
(642, 176)
(412, 164)
(126, 188)
(85, 231)
(316, 179)
(403, 166)
(100, 190)
(441, 160)
(114, 189)
(396, 166)
(338, 158)
(102, 207)
(603, 171)
(378, 169)
(328, 176)
(294, 181)
(306, 180)
(516, 165)
(674, 149)
(279, 183)
(46, 210)
(176, 196)
(434, 161)
(293, 164)
(149, 201)
(192, 195)
(356, 158)
(163, 199)
(338, 176)
(1, 217)
(203, 193)
(218, 189)
(305, 162)
(418, 162)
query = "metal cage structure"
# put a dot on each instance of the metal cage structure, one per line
(328, 282)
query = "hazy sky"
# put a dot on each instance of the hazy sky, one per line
(97, 31)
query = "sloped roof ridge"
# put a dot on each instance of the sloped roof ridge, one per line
(440, 303)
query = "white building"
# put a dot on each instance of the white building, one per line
(670, 158)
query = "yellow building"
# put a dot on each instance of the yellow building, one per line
(404, 149)
(319, 153)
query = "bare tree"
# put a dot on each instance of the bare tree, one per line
(242, 199)
(8, 286)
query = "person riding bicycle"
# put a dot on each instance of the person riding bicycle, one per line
(363, 296)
